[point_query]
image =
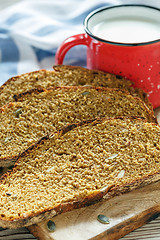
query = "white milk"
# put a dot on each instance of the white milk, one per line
(127, 31)
(126, 24)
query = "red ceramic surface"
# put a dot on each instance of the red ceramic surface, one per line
(138, 62)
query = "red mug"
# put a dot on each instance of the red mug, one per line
(131, 53)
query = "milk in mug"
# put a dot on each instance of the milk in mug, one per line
(130, 26)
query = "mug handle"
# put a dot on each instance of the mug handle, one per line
(79, 39)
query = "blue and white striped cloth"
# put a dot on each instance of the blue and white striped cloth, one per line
(31, 31)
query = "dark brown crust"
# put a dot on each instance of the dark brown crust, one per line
(90, 199)
(17, 97)
(49, 213)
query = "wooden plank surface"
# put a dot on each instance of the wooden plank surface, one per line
(15, 234)
(149, 231)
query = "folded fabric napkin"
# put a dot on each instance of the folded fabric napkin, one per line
(31, 31)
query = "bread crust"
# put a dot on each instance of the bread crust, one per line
(93, 197)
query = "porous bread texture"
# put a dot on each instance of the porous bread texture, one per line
(62, 76)
(43, 111)
(71, 169)
(83, 76)
(76, 75)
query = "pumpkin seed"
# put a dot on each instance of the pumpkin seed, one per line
(18, 112)
(121, 174)
(51, 226)
(87, 85)
(8, 194)
(51, 135)
(104, 188)
(50, 169)
(103, 219)
(142, 159)
(85, 93)
(113, 156)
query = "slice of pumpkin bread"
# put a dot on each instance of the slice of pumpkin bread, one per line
(62, 76)
(59, 77)
(77, 166)
(76, 75)
(82, 76)
(39, 112)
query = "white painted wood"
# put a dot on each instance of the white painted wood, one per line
(82, 224)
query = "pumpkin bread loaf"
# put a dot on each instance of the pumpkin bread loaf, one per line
(77, 166)
(39, 112)
(63, 76)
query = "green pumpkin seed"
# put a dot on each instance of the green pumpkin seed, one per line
(18, 112)
(51, 226)
(103, 219)
(8, 194)
(85, 93)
